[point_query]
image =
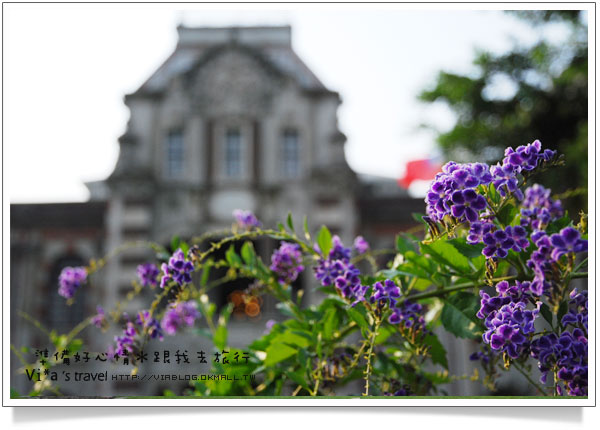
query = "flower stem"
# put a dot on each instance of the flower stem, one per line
(531, 381)
(369, 355)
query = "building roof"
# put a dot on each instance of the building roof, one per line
(273, 44)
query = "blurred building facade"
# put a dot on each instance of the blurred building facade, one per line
(232, 119)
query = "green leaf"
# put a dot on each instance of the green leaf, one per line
(175, 243)
(459, 315)
(306, 230)
(75, 345)
(493, 194)
(324, 241)
(277, 352)
(248, 253)
(220, 338)
(290, 222)
(562, 310)
(205, 272)
(546, 313)
(507, 214)
(293, 338)
(184, 247)
(437, 350)
(445, 253)
(404, 243)
(468, 250)
(232, 258)
(358, 318)
(330, 322)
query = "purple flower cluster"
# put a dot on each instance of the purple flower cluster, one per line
(507, 319)
(409, 314)
(179, 315)
(339, 251)
(70, 279)
(477, 230)
(148, 274)
(361, 245)
(402, 392)
(540, 260)
(149, 324)
(538, 209)
(524, 158)
(508, 326)
(499, 242)
(567, 356)
(386, 293)
(567, 241)
(178, 270)
(246, 219)
(99, 320)
(484, 355)
(286, 262)
(452, 192)
(337, 270)
(126, 342)
(578, 310)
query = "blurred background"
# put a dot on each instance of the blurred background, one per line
(134, 123)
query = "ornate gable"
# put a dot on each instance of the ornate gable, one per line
(233, 80)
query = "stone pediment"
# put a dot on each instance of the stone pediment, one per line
(233, 80)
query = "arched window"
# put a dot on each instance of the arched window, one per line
(174, 153)
(290, 153)
(233, 153)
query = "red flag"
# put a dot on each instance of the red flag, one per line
(419, 169)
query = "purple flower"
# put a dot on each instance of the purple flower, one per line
(349, 282)
(508, 326)
(148, 273)
(70, 279)
(453, 190)
(408, 314)
(519, 235)
(568, 240)
(578, 312)
(126, 342)
(567, 355)
(477, 230)
(327, 271)
(337, 270)
(286, 262)
(361, 245)
(484, 355)
(149, 324)
(339, 251)
(505, 181)
(467, 204)
(178, 270)
(179, 315)
(100, 318)
(269, 326)
(497, 244)
(246, 219)
(525, 157)
(538, 209)
(481, 172)
(386, 293)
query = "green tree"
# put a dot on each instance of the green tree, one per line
(549, 103)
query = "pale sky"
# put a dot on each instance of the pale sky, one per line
(67, 68)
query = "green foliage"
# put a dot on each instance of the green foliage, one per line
(550, 102)
(458, 315)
